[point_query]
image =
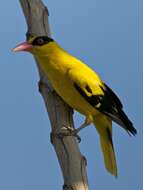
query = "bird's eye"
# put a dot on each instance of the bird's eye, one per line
(40, 41)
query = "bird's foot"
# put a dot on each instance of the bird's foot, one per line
(64, 132)
(74, 132)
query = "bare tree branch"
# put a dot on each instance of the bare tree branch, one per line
(72, 163)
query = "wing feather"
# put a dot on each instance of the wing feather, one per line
(100, 96)
(109, 104)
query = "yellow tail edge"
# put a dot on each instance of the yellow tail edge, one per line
(109, 156)
(103, 125)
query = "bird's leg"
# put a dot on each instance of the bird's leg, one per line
(74, 132)
(69, 131)
(87, 122)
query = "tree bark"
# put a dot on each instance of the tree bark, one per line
(73, 164)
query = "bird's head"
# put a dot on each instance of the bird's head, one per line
(34, 45)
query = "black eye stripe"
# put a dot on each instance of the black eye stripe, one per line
(39, 41)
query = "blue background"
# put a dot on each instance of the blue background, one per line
(106, 34)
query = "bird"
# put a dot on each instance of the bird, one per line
(83, 90)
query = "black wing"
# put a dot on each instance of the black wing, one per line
(109, 104)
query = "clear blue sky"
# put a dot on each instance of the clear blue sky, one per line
(106, 34)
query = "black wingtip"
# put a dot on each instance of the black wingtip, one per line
(132, 131)
(128, 124)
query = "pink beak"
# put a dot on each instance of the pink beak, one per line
(25, 46)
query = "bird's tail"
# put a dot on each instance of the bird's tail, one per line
(104, 127)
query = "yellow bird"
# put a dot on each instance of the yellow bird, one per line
(82, 89)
